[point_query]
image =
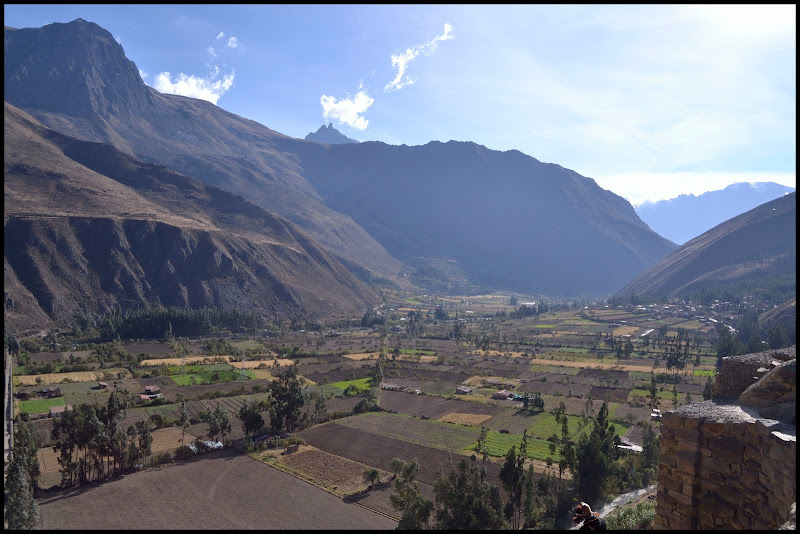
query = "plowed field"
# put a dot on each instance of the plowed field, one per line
(224, 490)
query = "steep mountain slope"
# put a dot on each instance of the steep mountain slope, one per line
(453, 211)
(687, 216)
(756, 245)
(75, 79)
(330, 135)
(508, 220)
(88, 229)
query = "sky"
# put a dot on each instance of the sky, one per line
(651, 101)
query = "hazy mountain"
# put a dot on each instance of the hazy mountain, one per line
(330, 135)
(687, 216)
(503, 219)
(760, 244)
(75, 79)
(458, 213)
(88, 229)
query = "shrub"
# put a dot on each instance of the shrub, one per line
(163, 458)
(633, 517)
(183, 452)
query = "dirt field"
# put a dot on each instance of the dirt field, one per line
(646, 367)
(78, 376)
(337, 474)
(434, 407)
(469, 419)
(224, 490)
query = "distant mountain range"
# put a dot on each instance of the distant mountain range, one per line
(687, 216)
(452, 216)
(330, 135)
(756, 247)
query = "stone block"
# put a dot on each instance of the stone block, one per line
(713, 428)
(690, 489)
(684, 499)
(690, 446)
(685, 457)
(717, 507)
(726, 443)
(670, 482)
(728, 456)
(713, 464)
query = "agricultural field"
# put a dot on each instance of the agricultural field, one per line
(565, 356)
(228, 491)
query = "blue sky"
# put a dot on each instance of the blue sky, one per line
(651, 101)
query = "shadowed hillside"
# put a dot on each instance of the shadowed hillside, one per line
(760, 245)
(88, 229)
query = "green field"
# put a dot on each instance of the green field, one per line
(363, 384)
(704, 372)
(543, 326)
(571, 349)
(211, 377)
(40, 405)
(544, 425)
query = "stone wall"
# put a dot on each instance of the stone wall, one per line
(724, 465)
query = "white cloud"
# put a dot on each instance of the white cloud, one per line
(212, 53)
(401, 61)
(194, 86)
(233, 42)
(639, 187)
(143, 74)
(220, 35)
(347, 111)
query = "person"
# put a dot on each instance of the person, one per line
(591, 520)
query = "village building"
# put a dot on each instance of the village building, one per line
(58, 411)
(503, 394)
(463, 390)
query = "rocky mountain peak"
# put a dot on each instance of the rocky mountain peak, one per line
(330, 135)
(79, 69)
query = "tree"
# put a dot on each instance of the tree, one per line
(287, 401)
(512, 475)
(654, 400)
(407, 498)
(252, 422)
(21, 509)
(754, 344)
(145, 440)
(371, 476)
(651, 448)
(596, 451)
(674, 396)
(565, 445)
(708, 388)
(776, 338)
(465, 500)
(183, 420)
(481, 447)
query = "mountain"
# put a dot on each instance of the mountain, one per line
(330, 135)
(753, 249)
(500, 219)
(75, 79)
(452, 216)
(687, 216)
(88, 229)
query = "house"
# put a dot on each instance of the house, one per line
(503, 394)
(152, 390)
(58, 411)
(102, 385)
(463, 390)
(390, 386)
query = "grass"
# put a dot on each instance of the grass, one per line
(208, 377)
(703, 372)
(544, 425)
(571, 349)
(498, 444)
(363, 384)
(40, 405)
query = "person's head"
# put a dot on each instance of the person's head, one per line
(582, 511)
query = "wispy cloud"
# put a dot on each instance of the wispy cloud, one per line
(210, 87)
(348, 110)
(143, 74)
(401, 61)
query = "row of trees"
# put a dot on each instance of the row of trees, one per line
(21, 511)
(171, 322)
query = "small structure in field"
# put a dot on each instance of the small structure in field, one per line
(390, 386)
(49, 393)
(503, 394)
(102, 385)
(463, 390)
(58, 411)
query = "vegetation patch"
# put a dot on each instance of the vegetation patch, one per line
(37, 406)
(356, 386)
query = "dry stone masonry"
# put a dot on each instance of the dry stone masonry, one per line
(730, 463)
